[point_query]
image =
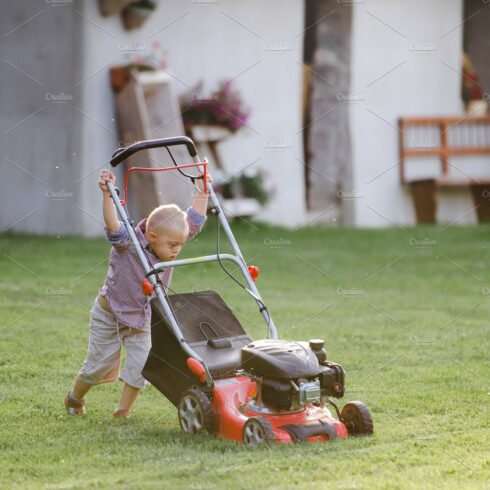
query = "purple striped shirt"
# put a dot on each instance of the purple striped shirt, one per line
(122, 286)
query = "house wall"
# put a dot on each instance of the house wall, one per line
(39, 124)
(59, 128)
(257, 44)
(405, 62)
(65, 48)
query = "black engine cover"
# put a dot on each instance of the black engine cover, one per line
(283, 359)
(332, 379)
(276, 393)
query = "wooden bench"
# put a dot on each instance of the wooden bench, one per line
(443, 138)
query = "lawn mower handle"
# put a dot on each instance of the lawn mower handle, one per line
(122, 153)
(120, 156)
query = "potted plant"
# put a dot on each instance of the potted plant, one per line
(111, 7)
(136, 60)
(253, 186)
(243, 185)
(223, 107)
(137, 13)
(472, 92)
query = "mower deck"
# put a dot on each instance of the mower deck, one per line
(232, 402)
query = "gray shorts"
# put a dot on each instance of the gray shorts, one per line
(107, 335)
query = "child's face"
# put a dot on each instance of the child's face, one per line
(167, 243)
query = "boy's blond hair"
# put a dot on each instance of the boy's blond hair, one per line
(167, 217)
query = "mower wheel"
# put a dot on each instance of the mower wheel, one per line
(357, 419)
(195, 413)
(257, 431)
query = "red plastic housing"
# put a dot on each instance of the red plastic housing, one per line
(195, 367)
(231, 396)
(254, 271)
(147, 287)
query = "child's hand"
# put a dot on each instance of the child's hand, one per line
(200, 183)
(106, 176)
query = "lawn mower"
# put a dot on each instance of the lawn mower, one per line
(202, 359)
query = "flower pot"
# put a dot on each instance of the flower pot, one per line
(111, 7)
(134, 16)
(424, 199)
(481, 198)
(120, 76)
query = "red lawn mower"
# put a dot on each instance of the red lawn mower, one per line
(221, 380)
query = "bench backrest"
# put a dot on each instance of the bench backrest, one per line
(443, 137)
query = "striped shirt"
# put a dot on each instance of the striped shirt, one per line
(122, 286)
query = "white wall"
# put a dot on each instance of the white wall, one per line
(417, 40)
(39, 127)
(212, 41)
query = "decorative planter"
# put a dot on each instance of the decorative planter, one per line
(120, 75)
(112, 7)
(424, 199)
(135, 16)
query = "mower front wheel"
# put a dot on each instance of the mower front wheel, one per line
(195, 413)
(257, 431)
(357, 419)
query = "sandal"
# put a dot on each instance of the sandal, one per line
(73, 406)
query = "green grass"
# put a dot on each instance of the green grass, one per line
(410, 325)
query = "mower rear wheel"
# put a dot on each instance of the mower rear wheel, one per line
(357, 419)
(257, 431)
(195, 412)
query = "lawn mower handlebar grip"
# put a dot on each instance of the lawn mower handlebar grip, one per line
(122, 153)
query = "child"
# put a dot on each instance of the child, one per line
(121, 313)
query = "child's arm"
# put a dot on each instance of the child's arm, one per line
(196, 214)
(112, 223)
(200, 203)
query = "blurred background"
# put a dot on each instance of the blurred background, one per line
(345, 112)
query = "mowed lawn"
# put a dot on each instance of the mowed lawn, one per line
(406, 312)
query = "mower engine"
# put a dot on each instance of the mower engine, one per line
(291, 374)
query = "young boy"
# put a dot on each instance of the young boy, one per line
(121, 313)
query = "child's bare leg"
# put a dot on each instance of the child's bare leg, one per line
(74, 400)
(79, 390)
(128, 397)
